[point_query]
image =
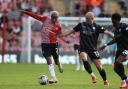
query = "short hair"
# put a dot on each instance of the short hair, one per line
(116, 17)
(89, 14)
(54, 12)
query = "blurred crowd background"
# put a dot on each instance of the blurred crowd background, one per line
(69, 8)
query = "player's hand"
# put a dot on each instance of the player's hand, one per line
(102, 47)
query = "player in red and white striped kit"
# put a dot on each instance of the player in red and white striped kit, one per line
(50, 31)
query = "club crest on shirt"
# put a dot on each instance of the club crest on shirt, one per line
(94, 28)
(102, 28)
(126, 28)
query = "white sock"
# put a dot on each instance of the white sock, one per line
(77, 61)
(123, 81)
(92, 74)
(51, 70)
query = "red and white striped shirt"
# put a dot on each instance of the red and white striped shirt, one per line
(50, 30)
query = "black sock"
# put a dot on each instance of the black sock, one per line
(119, 69)
(103, 74)
(87, 66)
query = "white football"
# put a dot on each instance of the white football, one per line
(43, 80)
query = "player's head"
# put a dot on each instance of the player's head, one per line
(89, 17)
(115, 19)
(54, 16)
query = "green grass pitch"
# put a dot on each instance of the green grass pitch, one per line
(25, 76)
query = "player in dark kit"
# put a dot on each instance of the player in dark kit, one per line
(121, 39)
(89, 32)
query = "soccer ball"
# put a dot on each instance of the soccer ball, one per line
(43, 80)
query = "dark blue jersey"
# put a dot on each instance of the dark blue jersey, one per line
(88, 35)
(121, 36)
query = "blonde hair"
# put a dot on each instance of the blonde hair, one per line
(55, 12)
(89, 14)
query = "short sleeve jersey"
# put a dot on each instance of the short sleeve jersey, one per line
(88, 35)
(47, 36)
(121, 36)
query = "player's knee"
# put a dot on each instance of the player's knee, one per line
(100, 68)
(121, 59)
(117, 63)
(83, 56)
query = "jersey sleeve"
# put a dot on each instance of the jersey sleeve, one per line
(36, 16)
(100, 29)
(77, 27)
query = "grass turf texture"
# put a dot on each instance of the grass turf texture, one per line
(25, 76)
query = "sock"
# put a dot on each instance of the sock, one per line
(87, 66)
(103, 74)
(77, 62)
(119, 69)
(51, 70)
(92, 74)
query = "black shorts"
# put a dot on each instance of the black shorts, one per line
(76, 47)
(123, 53)
(49, 50)
(93, 54)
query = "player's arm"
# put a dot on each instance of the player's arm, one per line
(104, 31)
(108, 34)
(75, 29)
(38, 17)
(63, 34)
(101, 29)
(111, 42)
(108, 44)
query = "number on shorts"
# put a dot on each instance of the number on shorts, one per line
(125, 52)
(96, 53)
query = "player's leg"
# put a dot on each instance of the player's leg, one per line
(57, 62)
(96, 60)
(51, 70)
(119, 68)
(82, 65)
(55, 54)
(77, 60)
(47, 54)
(87, 66)
(102, 72)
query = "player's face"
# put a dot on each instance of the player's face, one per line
(115, 23)
(89, 19)
(54, 18)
